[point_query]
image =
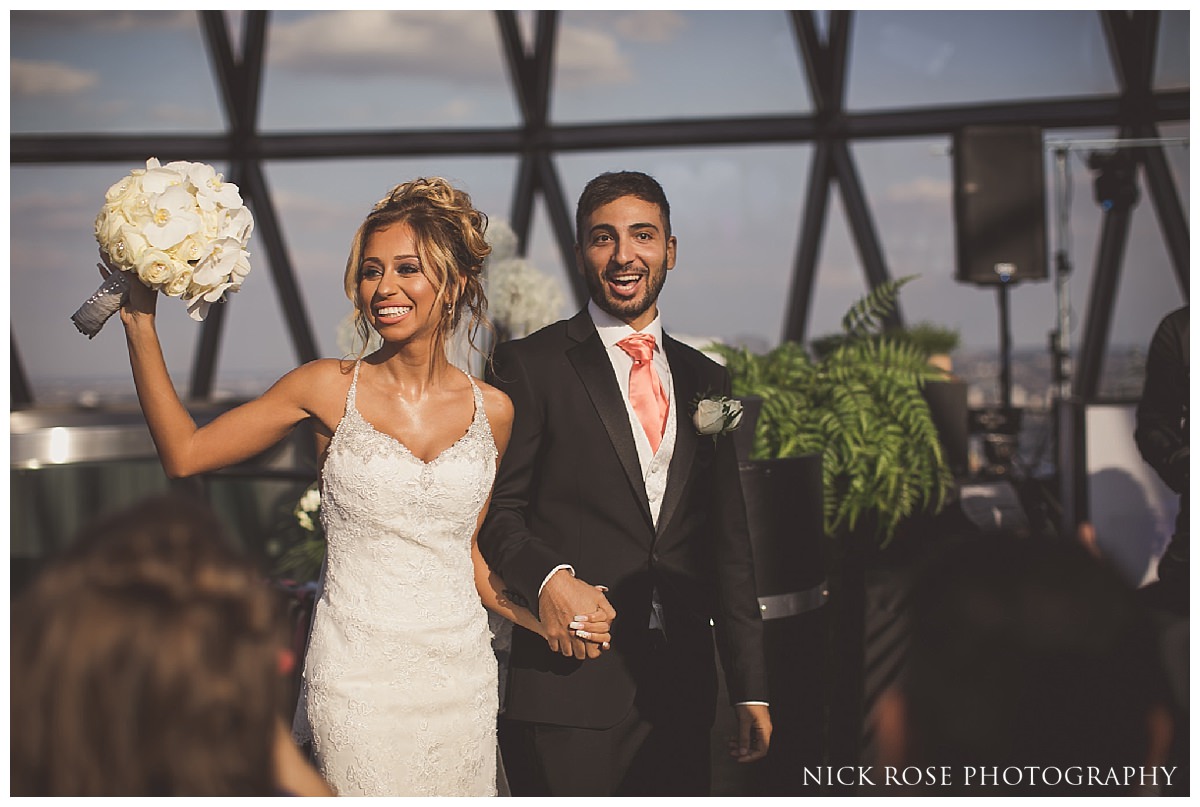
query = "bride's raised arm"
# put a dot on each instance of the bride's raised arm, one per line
(236, 435)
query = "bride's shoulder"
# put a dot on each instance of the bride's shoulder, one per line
(319, 377)
(496, 403)
(326, 370)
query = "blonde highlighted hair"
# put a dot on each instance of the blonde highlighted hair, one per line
(451, 243)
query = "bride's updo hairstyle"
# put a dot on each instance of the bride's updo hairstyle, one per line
(451, 244)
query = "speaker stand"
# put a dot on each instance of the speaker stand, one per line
(1005, 344)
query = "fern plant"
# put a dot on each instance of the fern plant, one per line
(859, 405)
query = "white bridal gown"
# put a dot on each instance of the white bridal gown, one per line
(399, 693)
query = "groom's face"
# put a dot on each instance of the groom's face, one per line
(625, 256)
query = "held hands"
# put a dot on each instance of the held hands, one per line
(576, 617)
(754, 732)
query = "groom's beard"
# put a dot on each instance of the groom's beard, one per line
(627, 310)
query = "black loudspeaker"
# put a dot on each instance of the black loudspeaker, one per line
(1000, 204)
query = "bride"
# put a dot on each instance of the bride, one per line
(399, 692)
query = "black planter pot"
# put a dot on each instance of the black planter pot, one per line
(947, 401)
(784, 511)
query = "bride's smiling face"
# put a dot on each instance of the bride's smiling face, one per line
(394, 292)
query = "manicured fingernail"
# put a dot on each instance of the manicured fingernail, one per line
(602, 588)
(575, 625)
(579, 618)
(583, 634)
(605, 645)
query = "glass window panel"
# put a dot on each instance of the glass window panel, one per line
(1174, 45)
(822, 21)
(637, 65)
(736, 215)
(1146, 292)
(256, 346)
(110, 71)
(385, 69)
(917, 58)
(1177, 154)
(545, 256)
(840, 280)
(1146, 288)
(53, 257)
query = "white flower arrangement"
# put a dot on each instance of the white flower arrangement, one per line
(178, 228)
(716, 415)
(307, 508)
(521, 299)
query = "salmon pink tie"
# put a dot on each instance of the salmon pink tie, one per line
(646, 393)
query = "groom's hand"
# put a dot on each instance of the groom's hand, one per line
(754, 732)
(564, 598)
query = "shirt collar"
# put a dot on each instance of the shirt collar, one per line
(613, 330)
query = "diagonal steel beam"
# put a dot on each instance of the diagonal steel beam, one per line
(862, 226)
(1164, 194)
(562, 222)
(812, 229)
(240, 85)
(524, 88)
(266, 225)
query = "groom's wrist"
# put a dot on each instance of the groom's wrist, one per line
(553, 572)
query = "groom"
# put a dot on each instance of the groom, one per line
(606, 483)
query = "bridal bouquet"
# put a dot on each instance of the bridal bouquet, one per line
(179, 229)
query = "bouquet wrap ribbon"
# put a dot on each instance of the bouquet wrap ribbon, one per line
(103, 303)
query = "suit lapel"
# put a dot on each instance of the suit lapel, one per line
(687, 383)
(595, 371)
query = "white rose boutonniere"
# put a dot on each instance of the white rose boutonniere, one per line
(716, 415)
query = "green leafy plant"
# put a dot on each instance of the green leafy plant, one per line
(931, 338)
(859, 405)
(305, 540)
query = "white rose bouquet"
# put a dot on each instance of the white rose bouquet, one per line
(716, 415)
(178, 228)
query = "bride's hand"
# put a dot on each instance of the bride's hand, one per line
(594, 628)
(141, 299)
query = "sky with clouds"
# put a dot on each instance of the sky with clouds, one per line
(736, 209)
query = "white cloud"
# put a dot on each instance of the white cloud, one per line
(587, 57)
(452, 44)
(32, 78)
(650, 26)
(458, 45)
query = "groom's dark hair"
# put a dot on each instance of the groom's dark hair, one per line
(611, 186)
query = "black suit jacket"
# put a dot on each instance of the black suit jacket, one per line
(570, 490)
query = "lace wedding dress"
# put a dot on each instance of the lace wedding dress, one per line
(399, 692)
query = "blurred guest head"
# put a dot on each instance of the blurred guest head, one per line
(1025, 653)
(145, 662)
